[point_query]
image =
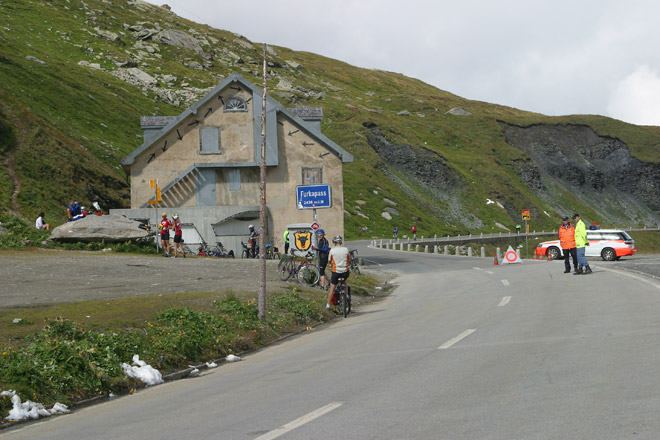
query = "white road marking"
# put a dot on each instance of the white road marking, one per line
(489, 272)
(504, 301)
(505, 282)
(458, 338)
(477, 268)
(299, 422)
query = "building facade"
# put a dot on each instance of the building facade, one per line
(206, 164)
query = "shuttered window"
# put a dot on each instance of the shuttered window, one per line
(210, 140)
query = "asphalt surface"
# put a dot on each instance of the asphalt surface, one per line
(461, 349)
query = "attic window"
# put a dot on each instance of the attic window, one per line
(235, 104)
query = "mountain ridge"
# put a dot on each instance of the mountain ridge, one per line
(101, 64)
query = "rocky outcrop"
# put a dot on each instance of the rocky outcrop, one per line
(578, 158)
(110, 228)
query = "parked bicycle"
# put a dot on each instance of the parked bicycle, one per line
(219, 251)
(353, 262)
(248, 251)
(304, 270)
(272, 252)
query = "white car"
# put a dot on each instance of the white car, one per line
(609, 244)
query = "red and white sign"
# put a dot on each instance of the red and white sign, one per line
(315, 226)
(511, 257)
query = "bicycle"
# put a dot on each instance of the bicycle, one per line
(305, 271)
(272, 253)
(353, 262)
(343, 297)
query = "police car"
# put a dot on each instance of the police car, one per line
(609, 244)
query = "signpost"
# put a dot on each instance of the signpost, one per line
(313, 197)
(526, 217)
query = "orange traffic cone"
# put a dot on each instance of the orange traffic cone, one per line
(549, 257)
(495, 262)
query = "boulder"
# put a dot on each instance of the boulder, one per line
(456, 111)
(135, 76)
(173, 37)
(404, 113)
(111, 228)
(386, 215)
(391, 211)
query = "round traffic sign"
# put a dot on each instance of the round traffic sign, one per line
(511, 256)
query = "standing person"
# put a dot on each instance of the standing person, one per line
(178, 235)
(567, 240)
(395, 232)
(580, 243)
(518, 228)
(323, 249)
(164, 227)
(41, 222)
(286, 242)
(254, 236)
(339, 258)
(414, 232)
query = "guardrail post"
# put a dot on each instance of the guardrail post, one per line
(458, 251)
(470, 251)
(426, 248)
(499, 254)
(408, 247)
(435, 249)
(416, 248)
(483, 252)
(446, 252)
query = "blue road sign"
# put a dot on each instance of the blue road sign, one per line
(313, 196)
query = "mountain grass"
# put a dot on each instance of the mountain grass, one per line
(79, 122)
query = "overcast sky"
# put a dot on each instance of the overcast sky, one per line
(553, 57)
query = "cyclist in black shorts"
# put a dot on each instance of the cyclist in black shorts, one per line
(338, 259)
(323, 248)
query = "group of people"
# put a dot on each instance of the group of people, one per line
(73, 211)
(165, 226)
(413, 230)
(573, 240)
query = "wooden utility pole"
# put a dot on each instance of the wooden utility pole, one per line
(262, 208)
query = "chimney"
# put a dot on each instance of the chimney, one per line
(313, 115)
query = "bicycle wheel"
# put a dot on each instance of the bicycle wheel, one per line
(186, 250)
(308, 275)
(355, 267)
(245, 254)
(277, 256)
(343, 305)
(285, 269)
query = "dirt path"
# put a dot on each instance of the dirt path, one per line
(49, 277)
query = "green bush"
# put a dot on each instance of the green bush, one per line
(20, 233)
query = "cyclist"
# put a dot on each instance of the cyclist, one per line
(178, 235)
(323, 248)
(164, 227)
(252, 240)
(339, 257)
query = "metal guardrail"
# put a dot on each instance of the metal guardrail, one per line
(381, 243)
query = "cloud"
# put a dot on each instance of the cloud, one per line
(636, 98)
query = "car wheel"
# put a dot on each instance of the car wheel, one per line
(608, 254)
(554, 253)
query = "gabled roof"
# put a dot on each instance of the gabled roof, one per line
(273, 108)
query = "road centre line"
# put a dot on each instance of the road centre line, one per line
(504, 301)
(505, 282)
(299, 421)
(458, 338)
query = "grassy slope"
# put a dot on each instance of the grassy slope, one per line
(98, 116)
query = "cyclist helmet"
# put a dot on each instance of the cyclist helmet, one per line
(337, 239)
(251, 227)
(175, 217)
(164, 215)
(320, 231)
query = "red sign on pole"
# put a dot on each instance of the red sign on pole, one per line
(525, 214)
(315, 226)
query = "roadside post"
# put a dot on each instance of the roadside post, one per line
(526, 217)
(153, 184)
(314, 197)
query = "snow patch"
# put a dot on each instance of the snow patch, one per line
(140, 370)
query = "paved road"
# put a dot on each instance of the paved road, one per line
(461, 350)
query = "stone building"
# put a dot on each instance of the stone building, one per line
(206, 162)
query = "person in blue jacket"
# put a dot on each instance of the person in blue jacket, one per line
(323, 249)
